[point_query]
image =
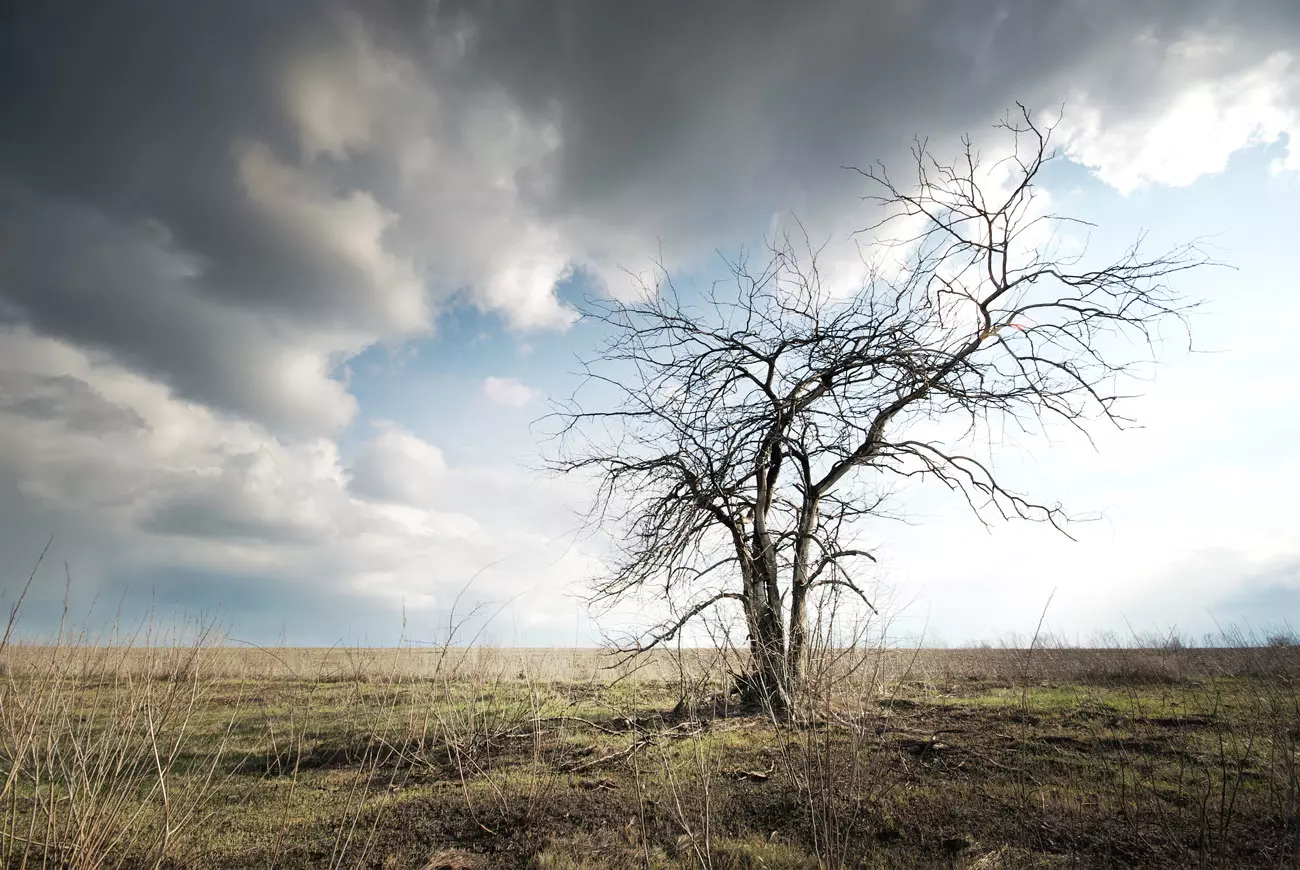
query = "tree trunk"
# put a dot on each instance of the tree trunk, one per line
(798, 632)
(767, 686)
(799, 581)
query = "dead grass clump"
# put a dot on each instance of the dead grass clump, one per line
(101, 767)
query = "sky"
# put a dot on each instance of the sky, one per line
(285, 288)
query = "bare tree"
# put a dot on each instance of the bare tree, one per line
(752, 431)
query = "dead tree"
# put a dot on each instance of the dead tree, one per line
(741, 438)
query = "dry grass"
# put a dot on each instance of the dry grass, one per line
(351, 664)
(1009, 666)
(176, 750)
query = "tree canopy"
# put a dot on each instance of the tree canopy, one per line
(759, 425)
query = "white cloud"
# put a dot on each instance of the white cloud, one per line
(171, 485)
(398, 467)
(509, 392)
(1201, 115)
(466, 169)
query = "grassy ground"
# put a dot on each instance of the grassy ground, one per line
(173, 760)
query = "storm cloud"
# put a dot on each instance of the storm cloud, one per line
(237, 198)
(209, 211)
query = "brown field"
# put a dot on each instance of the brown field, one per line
(200, 755)
(589, 665)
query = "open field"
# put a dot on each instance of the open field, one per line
(341, 663)
(193, 756)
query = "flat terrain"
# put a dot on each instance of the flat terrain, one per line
(542, 758)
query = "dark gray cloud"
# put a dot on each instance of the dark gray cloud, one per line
(237, 197)
(125, 223)
(65, 399)
(702, 112)
(250, 609)
(133, 109)
(68, 271)
(222, 516)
